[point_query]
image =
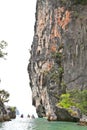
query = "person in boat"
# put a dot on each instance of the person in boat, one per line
(32, 117)
(28, 116)
(22, 115)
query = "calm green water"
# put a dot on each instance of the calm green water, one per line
(39, 124)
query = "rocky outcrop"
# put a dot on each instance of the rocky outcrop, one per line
(7, 113)
(83, 121)
(58, 61)
(11, 111)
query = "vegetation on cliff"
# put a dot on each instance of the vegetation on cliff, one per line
(74, 98)
(6, 112)
(58, 63)
(82, 2)
(4, 95)
(3, 45)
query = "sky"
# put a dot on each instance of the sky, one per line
(17, 19)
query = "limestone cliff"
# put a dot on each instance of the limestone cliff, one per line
(58, 61)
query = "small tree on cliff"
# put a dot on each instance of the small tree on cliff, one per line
(3, 45)
(4, 95)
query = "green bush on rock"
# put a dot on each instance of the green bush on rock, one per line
(74, 98)
(66, 101)
(81, 1)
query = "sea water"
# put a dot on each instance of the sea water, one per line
(39, 124)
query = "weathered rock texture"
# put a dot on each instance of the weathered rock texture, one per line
(6, 113)
(58, 54)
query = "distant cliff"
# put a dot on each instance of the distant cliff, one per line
(58, 62)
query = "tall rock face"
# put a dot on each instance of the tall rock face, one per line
(58, 61)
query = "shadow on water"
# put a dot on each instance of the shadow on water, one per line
(39, 124)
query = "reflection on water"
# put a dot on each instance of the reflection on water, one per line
(39, 124)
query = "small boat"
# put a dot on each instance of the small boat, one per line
(28, 116)
(32, 117)
(22, 116)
